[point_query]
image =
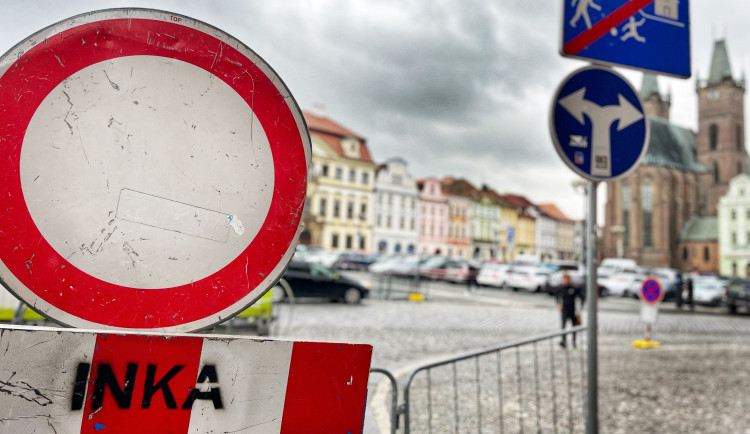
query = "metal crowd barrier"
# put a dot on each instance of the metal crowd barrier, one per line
(530, 385)
(389, 286)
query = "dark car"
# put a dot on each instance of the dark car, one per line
(314, 280)
(353, 261)
(737, 294)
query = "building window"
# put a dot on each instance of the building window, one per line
(747, 214)
(362, 241)
(324, 170)
(390, 199)
(716, 172)
(733, 215)
(339, 173)
(336, 208)
(734, 269)
(713, 136)
(647, 207)
(626, 213)
(322, 207)
(363, 211)
(734, 238)
(350, 210)
(365, 177)
(348, 241)
(379, 220)
(388, 222)
(748, 239)
(335, 241)
(401, 223)
(352, 176)
(684, 253)
(397, 179)
(706, 255)
(411, 225)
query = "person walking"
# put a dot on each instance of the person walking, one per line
(566, 304)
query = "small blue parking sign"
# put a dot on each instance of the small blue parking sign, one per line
(652, 35)
(598, 125)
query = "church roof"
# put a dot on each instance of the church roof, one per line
(700, 229)
(720, 67)
(671, 146)
(649, 86)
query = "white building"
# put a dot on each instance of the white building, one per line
(734, 228)
(396, 228)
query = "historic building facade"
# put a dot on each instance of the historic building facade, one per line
(433, 217)
(396, 225)
(338, 215)
(459, 193)
(734, 228)
(663, 213)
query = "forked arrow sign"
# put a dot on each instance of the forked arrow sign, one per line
(601, 118)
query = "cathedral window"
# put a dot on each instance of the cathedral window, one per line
(716, 172)
(684, 253)
(713, 136)
(647, 207)
(706, 255)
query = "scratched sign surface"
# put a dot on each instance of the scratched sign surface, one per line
(91, 382)
(154, 173)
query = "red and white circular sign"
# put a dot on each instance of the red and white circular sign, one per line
(154, 170)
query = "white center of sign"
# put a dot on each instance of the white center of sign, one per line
(146, 172)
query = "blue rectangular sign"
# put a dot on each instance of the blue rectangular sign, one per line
(651, 35)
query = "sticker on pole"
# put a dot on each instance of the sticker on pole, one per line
(154, 172)
(651, 35)
(651, 292)
(598, 125)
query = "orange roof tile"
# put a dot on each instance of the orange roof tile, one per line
(554, 212)
(332, 133)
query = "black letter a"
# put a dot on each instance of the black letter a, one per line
(207, 373)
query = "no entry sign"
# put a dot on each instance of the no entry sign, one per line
(94, 382)
(154, 172)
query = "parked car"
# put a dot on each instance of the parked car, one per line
(611, 266)
(353, 261)
(737, 294)
(623, 283)
(385, 264)
(577, 280)
(709, 291)
(309, 279)
(530, 278)
(493, 274)
(449, 269)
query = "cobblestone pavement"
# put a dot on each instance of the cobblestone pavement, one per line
(697, 381)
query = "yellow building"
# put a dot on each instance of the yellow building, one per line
(524, 237)
(338, 213)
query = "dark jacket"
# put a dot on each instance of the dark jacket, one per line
(567, 296)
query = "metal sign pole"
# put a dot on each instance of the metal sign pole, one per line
(592, 414)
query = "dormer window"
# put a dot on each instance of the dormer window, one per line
(350, 147)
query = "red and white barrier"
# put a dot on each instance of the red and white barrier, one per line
(72, 381)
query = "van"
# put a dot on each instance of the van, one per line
(611, 266)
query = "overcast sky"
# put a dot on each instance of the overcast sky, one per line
(456, 87)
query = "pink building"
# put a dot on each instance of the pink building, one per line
(433, 218)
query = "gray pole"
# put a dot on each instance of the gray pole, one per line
(592, 294)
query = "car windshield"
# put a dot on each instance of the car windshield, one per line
(434, 262)
(708, 285)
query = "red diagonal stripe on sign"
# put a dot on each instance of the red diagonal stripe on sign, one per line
(586, 38)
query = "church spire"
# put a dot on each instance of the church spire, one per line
(649, 85)
(720, 68)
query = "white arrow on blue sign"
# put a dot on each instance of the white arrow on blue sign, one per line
(598, 125)
(651, 35)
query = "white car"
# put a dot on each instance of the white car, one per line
(493, 274)
(623, 283)
(530, 278)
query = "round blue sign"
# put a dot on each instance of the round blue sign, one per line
(651, 292)
(598, 124)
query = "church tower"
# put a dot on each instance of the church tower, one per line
(720, 143)
(653, 102)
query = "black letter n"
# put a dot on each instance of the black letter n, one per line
(106, 378)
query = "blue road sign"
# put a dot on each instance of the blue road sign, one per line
(652, 35)
(651, 291)
(598, 125)
(511, 234)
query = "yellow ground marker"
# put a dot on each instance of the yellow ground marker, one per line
(413, 296)
(644, 344)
